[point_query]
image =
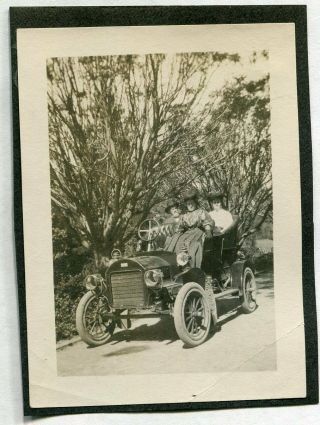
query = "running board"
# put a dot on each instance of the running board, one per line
(233, 291)
(152, 315)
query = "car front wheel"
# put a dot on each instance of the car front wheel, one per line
(192, 316)
(93, 326)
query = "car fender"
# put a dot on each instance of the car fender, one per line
(237, 269)
(194, 274)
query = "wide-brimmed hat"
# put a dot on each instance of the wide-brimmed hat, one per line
(215, 195)
(172, 203)
(191, 194)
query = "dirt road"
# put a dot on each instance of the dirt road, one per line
(152, 345)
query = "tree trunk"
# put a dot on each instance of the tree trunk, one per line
(101, 258)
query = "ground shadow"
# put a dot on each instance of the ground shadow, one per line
(163, 330)
(127, 350)
(226, 305)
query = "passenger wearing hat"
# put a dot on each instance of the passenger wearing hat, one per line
(173, 208)
(222, 218)
(171, 225)
(194, 224)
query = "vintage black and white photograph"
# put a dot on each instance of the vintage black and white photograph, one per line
(162, 214)
(161, 194)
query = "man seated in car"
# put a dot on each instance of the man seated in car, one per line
(222, 218)
(193, 226)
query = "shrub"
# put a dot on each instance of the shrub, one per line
(72, 263)
(68, 292)
(263, 262)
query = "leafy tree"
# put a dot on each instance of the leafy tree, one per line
(237, 131)
(119, 127)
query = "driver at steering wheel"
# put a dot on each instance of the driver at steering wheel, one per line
(172, 224)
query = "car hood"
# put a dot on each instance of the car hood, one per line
(145, 261)
(155, 260)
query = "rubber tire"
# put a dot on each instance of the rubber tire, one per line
(178, 314)
(82, 330)
(245, 306)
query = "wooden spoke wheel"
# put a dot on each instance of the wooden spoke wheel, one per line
(93, 326)
(192, 316)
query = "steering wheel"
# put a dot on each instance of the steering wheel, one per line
(148, 230)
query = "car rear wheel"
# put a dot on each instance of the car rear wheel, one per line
(249, 291)
(192, 315)
(93, 326)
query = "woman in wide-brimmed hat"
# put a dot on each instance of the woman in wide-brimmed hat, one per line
(193, 224)
(173, 207)
(196, 217)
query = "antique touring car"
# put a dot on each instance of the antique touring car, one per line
(155, 283)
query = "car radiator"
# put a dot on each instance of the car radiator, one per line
(128, 290)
